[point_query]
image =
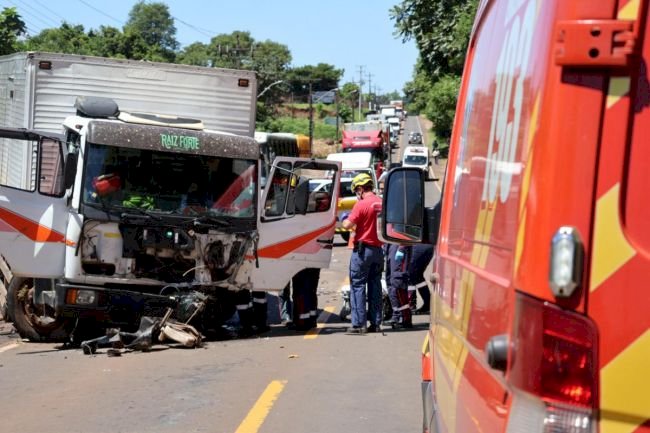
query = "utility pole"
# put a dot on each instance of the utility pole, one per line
(311, 123)
(360, 87)
(336, 101)
(369, 87)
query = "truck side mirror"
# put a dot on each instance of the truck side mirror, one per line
(404, 218)
(403, 206)
(70, 170)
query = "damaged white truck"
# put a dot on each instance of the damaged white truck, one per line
(125, 214)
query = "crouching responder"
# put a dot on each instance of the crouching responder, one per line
(366, 259)
(398, 258)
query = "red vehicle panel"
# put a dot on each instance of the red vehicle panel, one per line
(544, 238)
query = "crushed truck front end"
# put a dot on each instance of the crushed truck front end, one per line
(161, 211)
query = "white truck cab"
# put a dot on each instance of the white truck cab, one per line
(131, 212)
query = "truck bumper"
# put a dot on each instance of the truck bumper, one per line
(109, 306)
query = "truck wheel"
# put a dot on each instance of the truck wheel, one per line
(345, 236)
(33, 321)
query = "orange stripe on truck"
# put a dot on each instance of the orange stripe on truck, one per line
(280, 249)
(31, 229)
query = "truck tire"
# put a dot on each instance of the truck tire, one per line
(35, 322)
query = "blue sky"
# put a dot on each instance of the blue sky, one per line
(345, 33)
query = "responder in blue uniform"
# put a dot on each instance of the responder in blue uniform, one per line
(421, 256)
(398, 258)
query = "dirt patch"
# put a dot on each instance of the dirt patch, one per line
(322, 148)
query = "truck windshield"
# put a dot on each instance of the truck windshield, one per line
(172, 183)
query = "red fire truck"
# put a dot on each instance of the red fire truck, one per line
(540, 311)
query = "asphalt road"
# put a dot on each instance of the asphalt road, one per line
(283, 381)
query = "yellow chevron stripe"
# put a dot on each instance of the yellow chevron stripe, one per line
(618, 87)
(611, 250)
(487, 233)
(630, 11)
(525, 182)
(625, 382)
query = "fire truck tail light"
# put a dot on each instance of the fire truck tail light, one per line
(566, 262)
(554, 353)
(531, 415)
(552, 368)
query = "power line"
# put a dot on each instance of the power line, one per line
(101, 12)
(49, 10)
(24, 12)
(204, 32)
(39, 12)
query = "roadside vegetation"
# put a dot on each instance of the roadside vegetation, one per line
(441, 31)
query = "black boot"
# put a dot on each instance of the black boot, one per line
(260, 312)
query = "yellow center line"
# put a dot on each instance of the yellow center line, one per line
(9, 347)
(325, 315)
(260, 411)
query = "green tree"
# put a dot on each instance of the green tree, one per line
(271, 60)
(196, 54)
(417, 90)
(150, 33)
(68, 38)
(107, 42)
(11, 28)
(322, 77)
(234, 50)
(441, 104)
(440, 29)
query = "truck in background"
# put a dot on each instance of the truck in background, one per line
(387, 111)
(127, 212)
(399, 108)
(373, 137)
(352, 164)
(539, 307)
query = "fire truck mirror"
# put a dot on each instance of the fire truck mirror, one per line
(402, 219)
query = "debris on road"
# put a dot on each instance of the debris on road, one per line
(152, 331)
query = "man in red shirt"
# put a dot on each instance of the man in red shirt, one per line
(367, 257)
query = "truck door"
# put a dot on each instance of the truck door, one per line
(33, 205)
(296, 219)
